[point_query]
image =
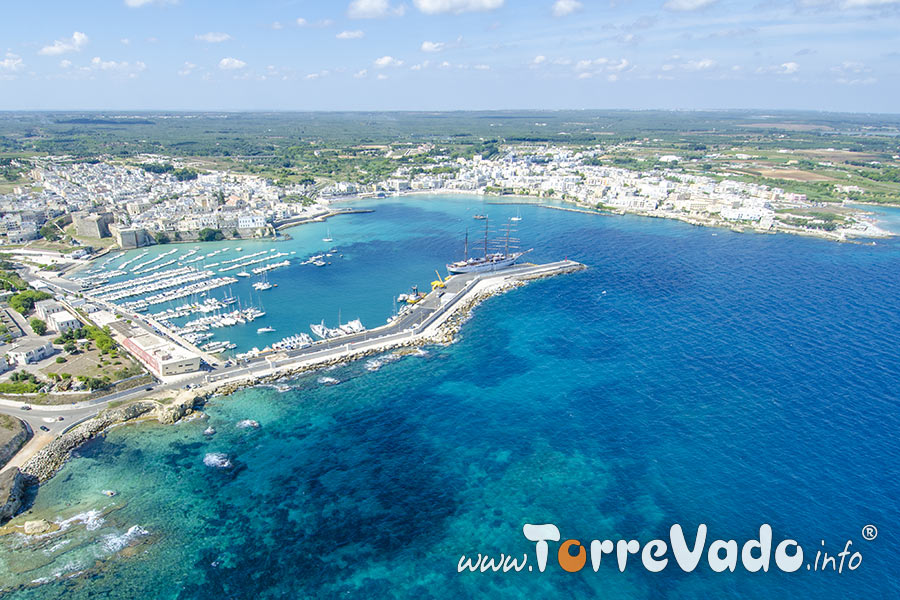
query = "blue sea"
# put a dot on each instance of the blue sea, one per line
(689, 375)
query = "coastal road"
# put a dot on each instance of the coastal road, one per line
(58, 418)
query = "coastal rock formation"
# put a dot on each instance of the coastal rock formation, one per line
(37, 527)
(183, 405)
(12, 492)
(49, 459)
(45, 463)
(13, 434)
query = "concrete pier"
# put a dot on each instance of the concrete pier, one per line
(420, 324)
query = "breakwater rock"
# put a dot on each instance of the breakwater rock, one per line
(12, 492)
(49, 459)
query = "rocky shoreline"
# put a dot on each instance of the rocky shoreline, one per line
(43, 465)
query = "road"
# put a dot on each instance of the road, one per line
(58, 418)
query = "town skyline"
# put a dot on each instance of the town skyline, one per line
(451, 55)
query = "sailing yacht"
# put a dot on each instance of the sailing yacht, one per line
(490, 261)
(327, 237)
(518, 217)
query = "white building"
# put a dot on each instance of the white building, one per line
(63, 321)
(31, 351)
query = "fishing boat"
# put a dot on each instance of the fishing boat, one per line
(320, 329)
(492, 260)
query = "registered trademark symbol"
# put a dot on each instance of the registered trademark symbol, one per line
(869, 532)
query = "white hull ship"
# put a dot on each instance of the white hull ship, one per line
(490, 261)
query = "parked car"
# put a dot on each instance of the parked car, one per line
(26, 407)
(44, 428)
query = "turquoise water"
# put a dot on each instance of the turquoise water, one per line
(888, 217)
(688, 376)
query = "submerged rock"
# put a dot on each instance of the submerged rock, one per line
(217, 460)
(37, 527)
(209, 431)
(247, 423)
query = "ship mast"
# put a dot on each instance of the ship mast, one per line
(507, 239)
(485, 235)
(467, 245)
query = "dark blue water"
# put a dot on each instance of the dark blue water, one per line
(688, 376)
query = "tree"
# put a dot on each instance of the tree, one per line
(38, 326)
(210, 235)
(70, 346)
(49, 232)
(24, 301)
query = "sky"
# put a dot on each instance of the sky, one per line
(836, 55)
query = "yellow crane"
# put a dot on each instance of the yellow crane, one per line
(439, 282)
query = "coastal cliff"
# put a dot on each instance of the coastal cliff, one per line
(13, 434)
(49, 459)
(12, 492)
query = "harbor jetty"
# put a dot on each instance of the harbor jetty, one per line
(434, 318)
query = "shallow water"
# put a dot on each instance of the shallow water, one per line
(689, 375)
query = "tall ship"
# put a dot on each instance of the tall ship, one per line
(502, 255)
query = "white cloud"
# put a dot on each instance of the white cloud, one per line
(382, 76)
(66, 45)
(187, 69)
(597, 66)
(374, 9)
(65, 63)
(125, 41)
(361, 74)
(847, 4)
(867, 3)
(849, 66)
(688, 5)
(12, 62)
(350, 35)
(212, 37)
(789, 68)
(433, 46)
(277, 25)
(562, 8)
(482, 67)
(700, 65)
(121, 67)
(387, 61)
(140, 3)
(231, 64)
(433, 7)
(539, 60)
(301, 22)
